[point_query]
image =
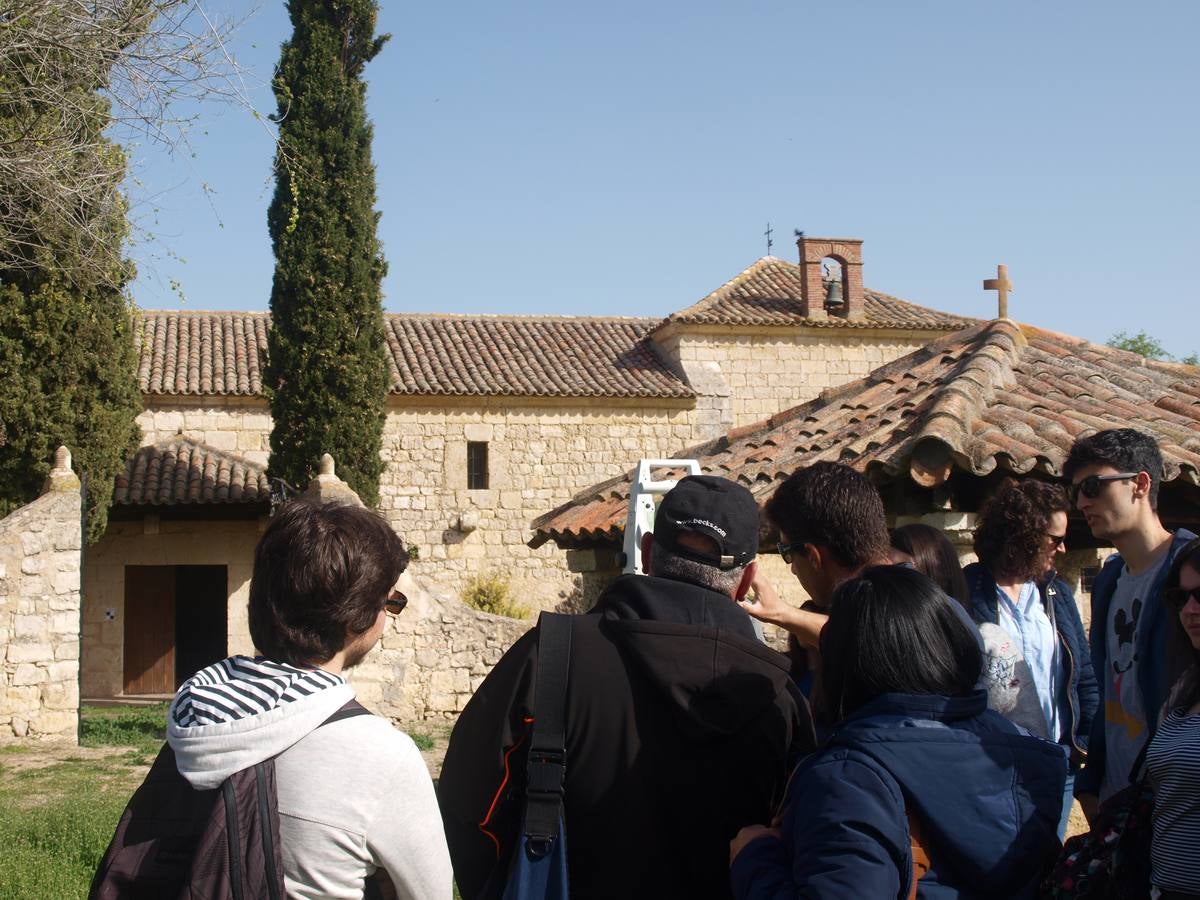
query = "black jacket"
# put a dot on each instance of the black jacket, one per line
(681, 728)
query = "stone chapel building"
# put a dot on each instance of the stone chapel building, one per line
(492, 421)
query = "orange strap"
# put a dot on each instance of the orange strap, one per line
(920, 857)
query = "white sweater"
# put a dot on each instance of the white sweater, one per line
(354, 796)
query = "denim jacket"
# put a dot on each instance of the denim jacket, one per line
(1083, 692)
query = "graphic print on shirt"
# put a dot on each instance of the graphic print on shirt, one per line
(1125, 631)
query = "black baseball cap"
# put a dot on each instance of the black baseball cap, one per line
(715, 507)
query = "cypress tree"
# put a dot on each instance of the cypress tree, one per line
(327, 375)
(67, 359)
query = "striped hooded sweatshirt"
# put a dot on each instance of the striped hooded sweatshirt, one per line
(354, 796)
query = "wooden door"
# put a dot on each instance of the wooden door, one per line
(149, 629)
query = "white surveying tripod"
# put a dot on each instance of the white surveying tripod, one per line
(642, 492)
(641, 506)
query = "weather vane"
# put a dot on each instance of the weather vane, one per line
(770, 243)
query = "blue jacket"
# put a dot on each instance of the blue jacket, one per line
(1154, 681)
(987, 795)
(1083, 693)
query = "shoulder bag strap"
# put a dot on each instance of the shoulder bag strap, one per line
(920, 856)
(347, 710)
(547, 767)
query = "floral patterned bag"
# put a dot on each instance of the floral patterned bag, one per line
(1113, 859)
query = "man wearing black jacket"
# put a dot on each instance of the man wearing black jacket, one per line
(681, 727)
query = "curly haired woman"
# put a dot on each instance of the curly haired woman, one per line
(1014, 586)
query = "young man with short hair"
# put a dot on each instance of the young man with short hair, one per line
(354, 795)
(681, 727)
(832, 525)
(1115, 477)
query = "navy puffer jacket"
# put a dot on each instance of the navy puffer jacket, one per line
(986, 795)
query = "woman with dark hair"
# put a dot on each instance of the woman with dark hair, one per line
(1014, 586)
(931, 554)
(1173, 757)
(918, 766)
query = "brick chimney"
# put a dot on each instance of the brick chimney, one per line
(847, 252)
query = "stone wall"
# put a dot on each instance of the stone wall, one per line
(745, 375)
(433, 656)
(39, 611)
(240, 425)
(539, 454)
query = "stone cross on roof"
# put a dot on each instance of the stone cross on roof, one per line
(1001, 285)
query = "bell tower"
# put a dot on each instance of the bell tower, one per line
(841, 260)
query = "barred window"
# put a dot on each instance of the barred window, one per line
(477, 465)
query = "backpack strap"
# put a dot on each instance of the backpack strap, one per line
(546, 769)
(920, 856)
(347, 710)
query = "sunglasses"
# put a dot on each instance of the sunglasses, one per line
(1178, 597)
(786, 550)
(1090, 486)
(395, 603)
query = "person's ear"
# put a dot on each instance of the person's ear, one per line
(743, 587)
(1141, 486)
(647, 550)
(815, 556)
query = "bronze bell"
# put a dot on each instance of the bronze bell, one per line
(833, 295)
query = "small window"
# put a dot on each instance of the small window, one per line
(477, 465)
(1087, 577)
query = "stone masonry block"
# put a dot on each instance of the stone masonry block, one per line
(29, 653)
(31, 629)
(27, 673)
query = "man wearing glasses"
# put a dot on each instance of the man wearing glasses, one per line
(1115, 476)
(354, 795)
(832, 525)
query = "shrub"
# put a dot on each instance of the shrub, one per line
(492, 593)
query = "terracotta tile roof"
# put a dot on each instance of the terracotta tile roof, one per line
(182, 471)
(201, 352)
(768, 293)
(997, 396)
(528, 356)
(206, 353)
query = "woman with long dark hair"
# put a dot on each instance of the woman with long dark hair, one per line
(1014, 586)
(916, 757)
(931, 554)
(1173, 757)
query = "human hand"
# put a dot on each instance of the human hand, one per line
(748, 834)
(769, 607)
(766, 605)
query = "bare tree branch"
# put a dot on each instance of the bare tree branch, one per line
(145, 65)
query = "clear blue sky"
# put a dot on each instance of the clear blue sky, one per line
(624, 158)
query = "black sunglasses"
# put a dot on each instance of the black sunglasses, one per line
(395, 603)
(1090, 486)
(1178, 597)
(786, 550)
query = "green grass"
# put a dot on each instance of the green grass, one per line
(142, 727)
(423, 741)
(57, 815)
